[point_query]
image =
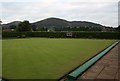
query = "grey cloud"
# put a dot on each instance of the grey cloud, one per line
(100, 12)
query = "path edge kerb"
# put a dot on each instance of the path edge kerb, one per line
(75, 73)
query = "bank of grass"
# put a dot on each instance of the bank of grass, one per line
(45, 58)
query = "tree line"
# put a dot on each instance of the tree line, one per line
(25, 26)
(25, 29)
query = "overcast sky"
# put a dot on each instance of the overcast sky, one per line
(104, 12)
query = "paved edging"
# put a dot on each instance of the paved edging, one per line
(74, 74)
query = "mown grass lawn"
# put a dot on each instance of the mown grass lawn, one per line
(44, 58)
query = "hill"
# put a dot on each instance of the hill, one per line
(52, 22)
(60, 25)
(8, 25)
(56, 22)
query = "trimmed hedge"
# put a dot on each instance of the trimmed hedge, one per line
(99, 35)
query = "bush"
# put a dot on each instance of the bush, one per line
(98, 35)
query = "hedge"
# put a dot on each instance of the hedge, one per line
(99, 35)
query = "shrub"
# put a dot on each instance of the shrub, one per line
(98, 35)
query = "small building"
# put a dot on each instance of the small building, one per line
(69, 34)
(51, 29)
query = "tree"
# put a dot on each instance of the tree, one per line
(34, 27)
(12, 26)
(0, 25)
(118, 29)
(24, 26)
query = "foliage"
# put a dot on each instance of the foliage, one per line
(98, 35)
(12, 27)
(24, 26)
(118, 29)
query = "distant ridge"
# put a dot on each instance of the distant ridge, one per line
(58, 23)
(52, 22)
(10, 24)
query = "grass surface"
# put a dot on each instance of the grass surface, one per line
(42, 58)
